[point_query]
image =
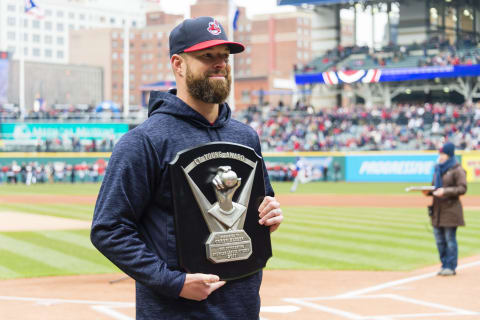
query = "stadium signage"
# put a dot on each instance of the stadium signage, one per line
(387, 74)
(390, 168)
(396, 167)
(35, 131)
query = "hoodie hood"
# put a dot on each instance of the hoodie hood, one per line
(169, 103)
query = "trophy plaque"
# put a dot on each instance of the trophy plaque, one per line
(217, 189)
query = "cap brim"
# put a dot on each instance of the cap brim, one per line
(235, 47)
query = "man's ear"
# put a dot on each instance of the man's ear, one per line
(179, 65)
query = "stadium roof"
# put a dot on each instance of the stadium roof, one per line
(317, 2)
(350, 2)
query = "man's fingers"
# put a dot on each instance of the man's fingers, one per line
(272, 220)
(264, 203)
(272, 205)
(208, 278)
(216, 285)
(269, 212)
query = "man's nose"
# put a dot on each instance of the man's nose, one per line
(220, 63)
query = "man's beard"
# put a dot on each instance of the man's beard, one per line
(209, 90)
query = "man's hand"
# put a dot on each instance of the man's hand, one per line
(270, 213)
(198, 286)
(439, 192)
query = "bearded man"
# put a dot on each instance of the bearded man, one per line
(133, 223)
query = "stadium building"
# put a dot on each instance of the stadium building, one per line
(396, 50)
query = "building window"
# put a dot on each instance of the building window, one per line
(11, 21)
(48, 53)
(11, 7)
(81, 16)
(132, 98)
(71, 15)
(114, 35)
(36, 52)
(25, 37)
(71, 27)
(36, 24)
(25, 23)
(25, 51)
(114, 55)
(36, 38)
(114, 44)
(112, 20)
(134, 23)
(11, 35)
(48, 13)
(48, 25)
(245, 96)
(59, 26)
(60, 40)
(60, 54)
(60, 14)
(132, 77)
(48, 39)
(159, 35)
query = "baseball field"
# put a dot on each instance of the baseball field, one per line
(344, 251)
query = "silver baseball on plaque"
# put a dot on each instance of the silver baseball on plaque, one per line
(217, 190)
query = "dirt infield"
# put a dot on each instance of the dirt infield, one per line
(306, 295)
(15, 221)
(286, 294)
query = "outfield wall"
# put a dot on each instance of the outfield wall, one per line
(351, 166)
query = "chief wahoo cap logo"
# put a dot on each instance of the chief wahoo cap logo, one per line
(214, 28)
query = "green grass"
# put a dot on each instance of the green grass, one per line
(279, 187)
(357, 188)
(345, 238)
(50, 253)
(335, 238)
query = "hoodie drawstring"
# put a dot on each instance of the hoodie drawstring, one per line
(210, 136)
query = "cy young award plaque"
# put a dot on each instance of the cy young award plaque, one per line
(217, 189)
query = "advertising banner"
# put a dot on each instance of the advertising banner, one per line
(471, 164)
(390, 168)
(35, 131)
(319, 168)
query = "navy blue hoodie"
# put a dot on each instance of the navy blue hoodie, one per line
(133, 223)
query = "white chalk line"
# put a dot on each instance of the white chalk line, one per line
(111, 313)
(360, 294)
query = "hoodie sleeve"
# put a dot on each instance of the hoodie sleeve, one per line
(125, 193)
(268, 187)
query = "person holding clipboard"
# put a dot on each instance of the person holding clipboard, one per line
(446, 211)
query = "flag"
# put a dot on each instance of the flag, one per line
(235, 19)
(31, 8)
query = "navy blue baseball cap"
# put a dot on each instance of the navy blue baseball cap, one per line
(198, 34)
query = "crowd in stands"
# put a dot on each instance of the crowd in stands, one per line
(436, 51)
(58, 171)
(70, 112)
(357, 128)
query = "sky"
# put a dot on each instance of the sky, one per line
(253, 6)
